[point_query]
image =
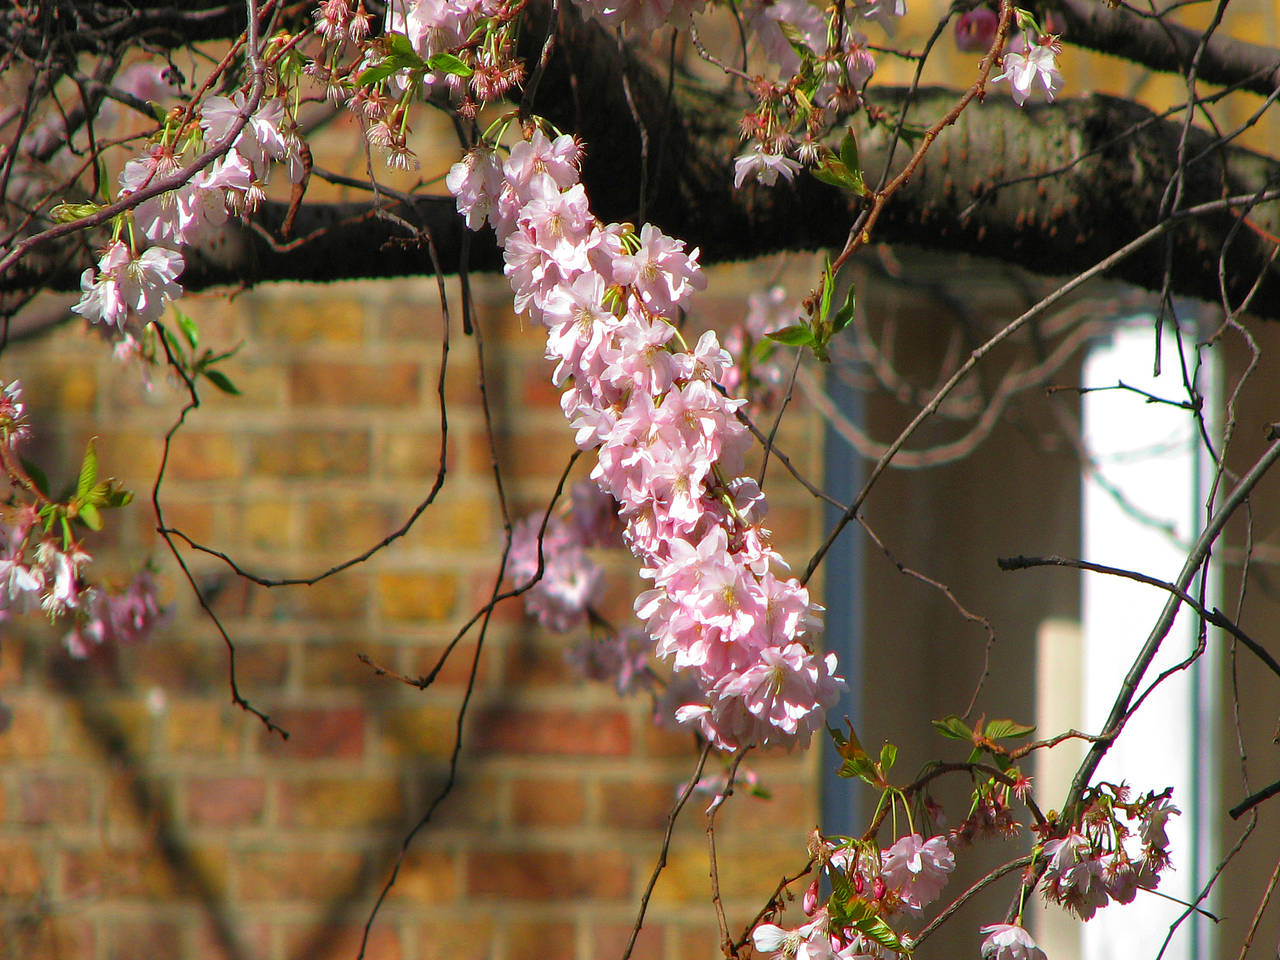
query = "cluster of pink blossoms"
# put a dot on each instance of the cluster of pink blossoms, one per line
(757, 372)
(904, 878)
(667, 438)
(39, 570)
(141, 285)
(1089, 869)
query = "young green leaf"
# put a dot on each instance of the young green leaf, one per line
(221, 381)
(88, 473)
(845, 313)
(89, 514)
(858, 766)
(849, 153)
(828, 287)
(888, 757)
(448, 63)
(188, 327)
(998, 729)
(796, 335)
(952, 726)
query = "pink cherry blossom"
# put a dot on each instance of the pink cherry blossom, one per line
(763, 166)
(1009, 941)
(917, 869)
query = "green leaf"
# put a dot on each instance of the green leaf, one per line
(371, 75)
(874, 928)
(999, 729)
(796, 335)
(37, 475)
(67, 538)
(221, 381)
(71, 212)
(888, 757)
(858, 766)
(828, 286)
(116, 496)
(188, 327)
(845, 314)
(952, 726)
(88, 473)
(849, 153)
(401, 45)
(89, 514)
(448, 63)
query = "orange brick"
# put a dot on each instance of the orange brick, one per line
(426, 876)
(316, 732)
(140, 939)
(41, 936)
(610, 940)
(642, 805)
(204, 456)
(318, 875)
(21, 874)
(28, 733)
(325, 941)
(540, 941)
(12, 650)
(417, 596)
(107, 872)
(333, 804)
(320, 454)
(195, 519)
(354, 384)
(534, 451)
(558, 732)
(456, 940)
(549, 875)
(43, 799)
(225, 801)
(547, 803)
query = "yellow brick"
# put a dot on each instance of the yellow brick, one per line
(199, 728)
(419, 731)
(331, 804)
(332, 318)
(417, 596)
(345, 526)
(323, 454)
(269, 524)
(27, 735)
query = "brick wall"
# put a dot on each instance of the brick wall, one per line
(143, 815)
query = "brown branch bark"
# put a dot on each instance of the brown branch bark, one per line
(1054, 188)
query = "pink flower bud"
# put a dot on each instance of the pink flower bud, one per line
(975, 29)
(811, 899)
(878, 889)
(859, 884)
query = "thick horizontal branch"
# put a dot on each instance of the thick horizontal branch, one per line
(1054, 188)
(1168, 47)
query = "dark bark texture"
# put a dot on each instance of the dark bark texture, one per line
(1054, 188)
